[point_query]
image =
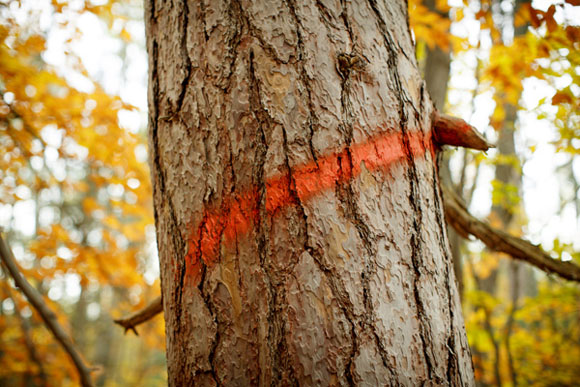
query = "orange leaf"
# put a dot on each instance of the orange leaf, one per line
(560, 98)
(534, 19)
(522, 16)
(549, 18)
(573, 33)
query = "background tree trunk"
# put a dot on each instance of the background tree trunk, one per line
(436, 73)
(299, 221)
(520, 276)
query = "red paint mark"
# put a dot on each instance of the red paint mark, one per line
(238, 212)
(233, 218)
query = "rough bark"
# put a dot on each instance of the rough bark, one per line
(299, 220)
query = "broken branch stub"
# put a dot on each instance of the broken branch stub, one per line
(448, 130)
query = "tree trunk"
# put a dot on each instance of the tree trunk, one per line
(299, 221)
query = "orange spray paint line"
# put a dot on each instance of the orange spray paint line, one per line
(238, 213)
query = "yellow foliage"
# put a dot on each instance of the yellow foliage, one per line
(430, 26)
(97, 219)
(486, 265)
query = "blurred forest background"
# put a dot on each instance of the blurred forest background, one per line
(75, 194)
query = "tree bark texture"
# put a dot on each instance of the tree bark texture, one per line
(299, 220)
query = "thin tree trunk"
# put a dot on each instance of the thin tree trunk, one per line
(515, 269)
(437, 68)
(299, 221)
(507, 175)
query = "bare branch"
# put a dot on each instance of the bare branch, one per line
(141, 316)
(464, 223)
(25, 327)
(46, 313)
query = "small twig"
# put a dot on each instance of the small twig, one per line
(465, 224)
(48, 316)
(141, 316)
